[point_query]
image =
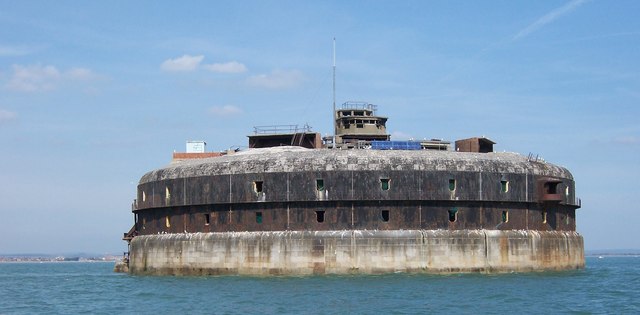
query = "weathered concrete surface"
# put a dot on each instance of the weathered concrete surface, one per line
(121, 266)
(360, 252)
(296, 159)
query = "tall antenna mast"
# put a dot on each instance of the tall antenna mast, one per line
(335, 117)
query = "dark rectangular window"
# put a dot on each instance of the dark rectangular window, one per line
(452, 184)
(504, 185)
(258, 217)
(257, 186)
(505, 216)
(385, 215)
(385, 183)
(207, 219)
(453, 214)
(320, 216)
(319, 184)
(551, 188)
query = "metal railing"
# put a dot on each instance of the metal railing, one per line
(280, 129)
(359, 106)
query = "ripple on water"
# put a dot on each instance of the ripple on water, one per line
(609, 285)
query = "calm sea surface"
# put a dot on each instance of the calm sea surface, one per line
(609, 285)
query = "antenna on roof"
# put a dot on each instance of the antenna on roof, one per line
(335, 124)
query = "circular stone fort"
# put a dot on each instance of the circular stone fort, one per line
(354, 203)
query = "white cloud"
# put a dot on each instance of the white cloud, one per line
(80, 74)
(228, 67)
(33, 78)
(6, 115)
(277, 79)
(37, 78)
(225, 111)
(184, 63)
(549, 17)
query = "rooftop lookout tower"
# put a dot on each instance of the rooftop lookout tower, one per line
(357, 122)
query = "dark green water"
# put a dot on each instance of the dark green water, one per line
(610, 285)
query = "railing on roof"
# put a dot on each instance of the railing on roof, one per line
(359, 106)
(577, 202)
(280, 129)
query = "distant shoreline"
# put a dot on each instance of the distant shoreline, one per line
(35, 258)
(56, 262)
(57, 258)
(613, 255)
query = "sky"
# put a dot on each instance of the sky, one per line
(95, 94)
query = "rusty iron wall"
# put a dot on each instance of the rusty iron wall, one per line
(354, 215)
(353, 200)
(348, 185)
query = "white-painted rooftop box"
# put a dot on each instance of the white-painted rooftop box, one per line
(196, 146)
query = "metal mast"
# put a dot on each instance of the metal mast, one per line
(335, 117)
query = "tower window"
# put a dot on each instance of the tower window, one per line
(544, 216)
(257, 186)
(385, 183)
(319, 184)
(453, 214)
(144, 197)
(452, 185)
(505, 216)
(551, 188)
(166, 222)
(320, 216)
(384, 215)
(505, 185)
(167, 194)
(207, 219)
(258, 217)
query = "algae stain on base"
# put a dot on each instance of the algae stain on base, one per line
(348, 252)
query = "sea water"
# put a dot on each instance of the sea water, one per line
(608, 285)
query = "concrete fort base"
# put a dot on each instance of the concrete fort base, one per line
(355, 252)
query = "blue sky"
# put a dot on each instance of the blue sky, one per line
(95, 94)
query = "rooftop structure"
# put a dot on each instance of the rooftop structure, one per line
(357, 121)
(284, 135)
(476, 144)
